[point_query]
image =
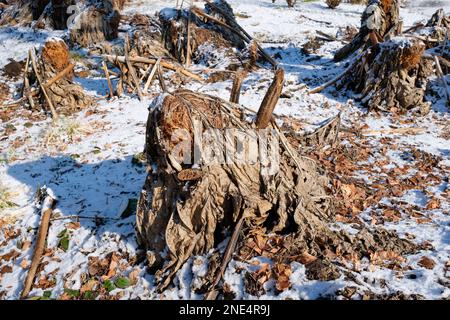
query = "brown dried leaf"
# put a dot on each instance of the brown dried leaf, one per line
(427, 263)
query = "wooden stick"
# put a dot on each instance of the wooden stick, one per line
(164, 64)
(394, 131)
(131, 70)
(38, 77)
(188, 41)
(26, 83)
(49, 204)
(152, 74)
(212, 293)
(161, 79)
(25, 73)
(237, 85)
(59, 75)
(441, 77)
(270, 100)
(105, 69)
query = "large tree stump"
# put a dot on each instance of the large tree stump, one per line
(379, 20)
(392, 77)
(89, 21)
(187, 208)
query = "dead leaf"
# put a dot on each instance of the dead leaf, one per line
(427, 263)
(434, 203)
(73, 225)
(24, 263)
(88, 286)
(134, 275)
(6, 269)
(306, 258)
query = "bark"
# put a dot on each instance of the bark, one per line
(187, 210)
(392, 77)
(57, 90)
(389, 25)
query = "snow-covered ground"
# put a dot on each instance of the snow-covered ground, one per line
(89, 162)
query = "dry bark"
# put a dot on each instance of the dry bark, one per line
(53, 70)
(392, 77)
(185, 210)
(389, 25)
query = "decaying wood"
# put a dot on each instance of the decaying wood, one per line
(48, 206)
(392, 77)
(387, 17)
(165, 64)
(52, 74)
(237, 85)
(442, 78)
(44, 91)
(130, 67)
(108, 79)
(229, 250)
(185, 217)
(236, 28)
(270, 100)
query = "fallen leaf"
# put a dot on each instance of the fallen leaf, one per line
(73, 225)
(427, 263)
(306, 258)
(434, 203)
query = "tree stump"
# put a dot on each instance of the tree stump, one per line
(55, 71)
(188, 207)
(392, 77)
(380, 20)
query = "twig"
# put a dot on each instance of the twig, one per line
(131, 70)
(164, 64)
(319, 21)
(59, 75)
(38, 77)
(394, 131)
(105, 69)
(152, 74)
(161, 78)
(441, 76)
(188, 41)
(212, 293)
(26, 83)
(49, 204)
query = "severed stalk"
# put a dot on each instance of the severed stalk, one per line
(105, 69)
(152, 74)
(41, 84)
(47, 209)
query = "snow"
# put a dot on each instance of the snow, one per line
(92, 174)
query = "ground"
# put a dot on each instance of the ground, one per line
(91, 163)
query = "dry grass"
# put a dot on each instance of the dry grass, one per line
(6, 198)
(64, 131)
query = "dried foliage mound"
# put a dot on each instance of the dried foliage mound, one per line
(187, 210)
(49, 79)
(392, 77)
(90, 21)
(203, 35)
